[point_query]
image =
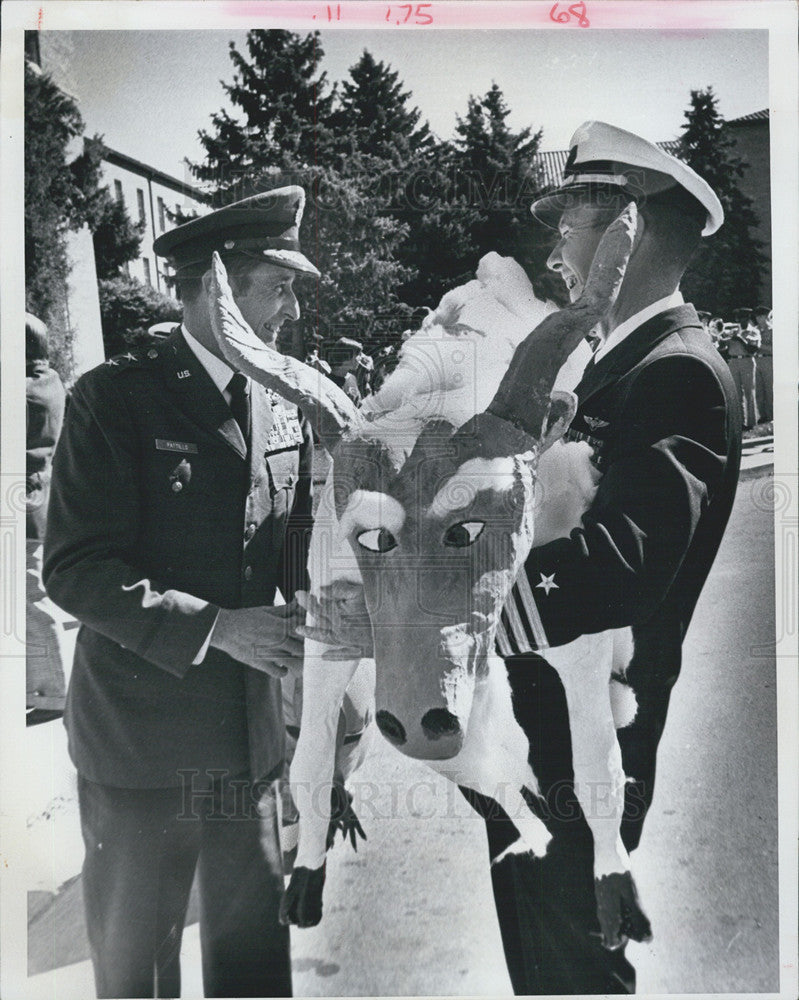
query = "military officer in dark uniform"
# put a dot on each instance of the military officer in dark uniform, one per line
(660, 409)
(181, 503)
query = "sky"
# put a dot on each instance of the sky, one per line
(149, 92)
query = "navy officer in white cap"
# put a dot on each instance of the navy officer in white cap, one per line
(659, 408)
(181, 502)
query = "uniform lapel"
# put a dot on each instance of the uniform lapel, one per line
(198, 396)
(633, 349)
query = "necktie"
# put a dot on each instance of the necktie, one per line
(240, 404)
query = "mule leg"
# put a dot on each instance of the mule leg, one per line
(311, 778)
(584, 667)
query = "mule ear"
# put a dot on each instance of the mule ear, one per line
(561, 413)
(329, 409)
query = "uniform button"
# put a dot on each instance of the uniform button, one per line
(177, 486)
(152, 353)
(247, 572)
(249, 532)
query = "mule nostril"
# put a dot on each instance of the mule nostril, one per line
(439, 722)
(391, 728)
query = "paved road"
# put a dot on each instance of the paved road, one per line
(411, 913)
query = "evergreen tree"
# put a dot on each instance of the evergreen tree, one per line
(59, 196)
(53, 200)
(285, 106)
(472, 196)
(286, 137)
(727, 271)
(373, 116)
(498, 173)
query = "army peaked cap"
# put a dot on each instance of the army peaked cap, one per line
(267, 225)
(605, 156)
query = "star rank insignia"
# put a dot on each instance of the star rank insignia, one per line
(547, 583)
(112, 361)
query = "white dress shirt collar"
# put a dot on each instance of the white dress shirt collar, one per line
(624, 329)
(219, 371)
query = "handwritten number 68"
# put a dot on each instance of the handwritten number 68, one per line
(576, 10)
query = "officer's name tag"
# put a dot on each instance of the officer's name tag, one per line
(286, 431)
(184, 447)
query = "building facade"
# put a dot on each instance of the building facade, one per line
(156, 200)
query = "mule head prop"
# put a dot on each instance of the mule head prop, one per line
(439, 527)
(440, 540)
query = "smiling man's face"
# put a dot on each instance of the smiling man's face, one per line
(266, 299)
(581, 228)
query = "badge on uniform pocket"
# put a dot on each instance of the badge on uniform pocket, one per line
(180, 476)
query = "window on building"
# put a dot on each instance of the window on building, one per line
(147, 277)
(118, 192)
(140, 200)
(161, 215)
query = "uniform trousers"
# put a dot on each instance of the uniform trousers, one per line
(743, 375)
(546, 907)
(764, 387)
(142, 849)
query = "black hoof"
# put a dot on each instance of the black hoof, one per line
(619, 910)
(302, 901)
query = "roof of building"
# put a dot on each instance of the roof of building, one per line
(553, 161)
(756, 116)
(118, 159)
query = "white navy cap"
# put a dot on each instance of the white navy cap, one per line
(602, 155)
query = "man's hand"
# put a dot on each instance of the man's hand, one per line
(341, 620)
(263, 638)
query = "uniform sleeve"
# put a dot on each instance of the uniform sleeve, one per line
(293, 567)
(92, 533)
(660, 475)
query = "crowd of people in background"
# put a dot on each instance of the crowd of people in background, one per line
(746, 344)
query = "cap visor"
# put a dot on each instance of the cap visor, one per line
(549, 209)
(292, 259)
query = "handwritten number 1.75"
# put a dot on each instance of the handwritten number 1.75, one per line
(576, 10)
(415, 11)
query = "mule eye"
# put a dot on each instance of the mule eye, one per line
(377, 540)
(463, 534)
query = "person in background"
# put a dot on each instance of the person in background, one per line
(387, 360)
(45, 399)
(764, 371)
(363, 373)
(343, 360)
(313, 360)
(181, 503)
(720, 335)
(742, 366)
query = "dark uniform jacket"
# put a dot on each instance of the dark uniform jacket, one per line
(662, 413)
(157, 519)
